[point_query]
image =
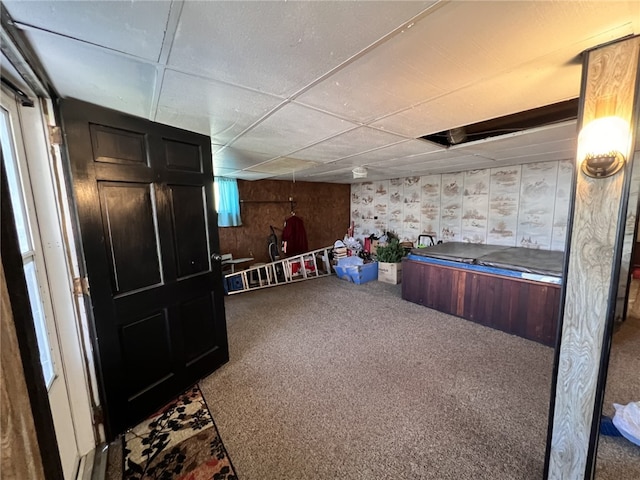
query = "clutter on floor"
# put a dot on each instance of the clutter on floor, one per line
(379, 258)
(339, 250)
(627, 421)
(608, 428)
(353, 269)
(305, 266)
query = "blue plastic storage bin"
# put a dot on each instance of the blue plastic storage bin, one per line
(358, 273)
(231, 284)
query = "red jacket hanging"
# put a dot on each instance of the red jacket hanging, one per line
(294, 236)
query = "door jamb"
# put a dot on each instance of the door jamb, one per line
(25, 332)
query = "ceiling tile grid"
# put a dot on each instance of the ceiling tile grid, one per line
(280, 47)
(209, 107)
(317, 88)
(140, 25)
(289, 129)
(229, 157)
(96, 75)
(283, 165)
(390, 153)
(352, 142)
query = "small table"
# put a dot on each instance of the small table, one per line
(235, 261)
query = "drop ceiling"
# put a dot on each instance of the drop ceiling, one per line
(308, 90)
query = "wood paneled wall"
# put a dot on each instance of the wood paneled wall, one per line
(18, 440)
(611, 76)
(324, 207)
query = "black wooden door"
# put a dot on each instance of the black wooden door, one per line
(144, 196)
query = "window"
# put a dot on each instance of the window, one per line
(30, 259)
(227, 202)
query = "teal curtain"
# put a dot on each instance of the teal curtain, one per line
(227, 202)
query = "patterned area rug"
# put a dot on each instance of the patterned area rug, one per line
(178, 442)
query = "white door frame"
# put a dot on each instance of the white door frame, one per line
(49, 209)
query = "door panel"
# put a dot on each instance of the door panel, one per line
(127, 213)
(199, 335)
(190, 229)
(183, 156)
(144, 195)
(112, 145)
(146, 368)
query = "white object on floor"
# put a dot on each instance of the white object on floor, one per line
(627, 421)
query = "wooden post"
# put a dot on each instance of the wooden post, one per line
(609, 87)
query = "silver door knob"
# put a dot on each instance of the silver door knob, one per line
(216, 257)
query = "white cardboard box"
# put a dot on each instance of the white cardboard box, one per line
(390, 272)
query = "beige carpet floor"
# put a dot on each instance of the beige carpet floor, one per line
(329, 380)
(617, 457)
(334, 380)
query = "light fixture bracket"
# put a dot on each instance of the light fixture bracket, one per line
(602, 165)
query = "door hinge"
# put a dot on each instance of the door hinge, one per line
(55, 135)
(81, 286)
(98, 415)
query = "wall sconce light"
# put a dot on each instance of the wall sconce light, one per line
(602, 145)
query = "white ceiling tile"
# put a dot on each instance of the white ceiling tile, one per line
(533, 157)
(280, 47)
(445, 169)
(427, 161)
(340, 178)
(375, 85)
(289, 129)
(457, 63)
(321, 169)
(229, 157)
(472, 105)
(354, 141)
(281, 166)
(334, 176)
(446, 50)
(216, 109)
(455, 164)
(245, 175)
(424, 159)
(565, 131)
(542, 81)
(344, 179)
(136, 28)
(224, 172)
(430, 117)
(519, 92)
(524, 150)
(549, 140)
(108, 79)
(388, 154)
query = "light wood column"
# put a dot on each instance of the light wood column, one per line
(609, 86)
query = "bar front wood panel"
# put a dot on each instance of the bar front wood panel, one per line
(520, 307)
